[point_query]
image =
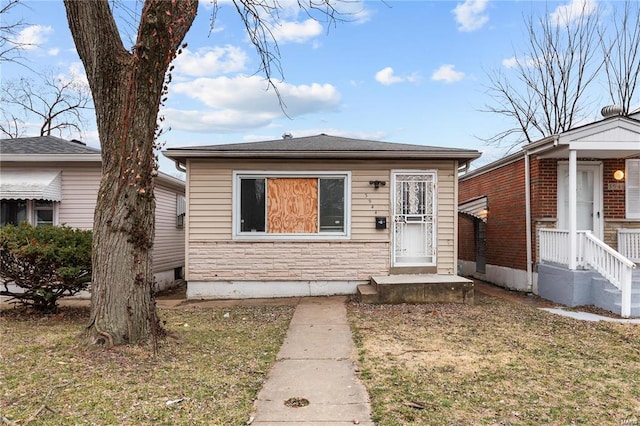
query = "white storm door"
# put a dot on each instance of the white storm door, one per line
(414, 219)
(588, 197)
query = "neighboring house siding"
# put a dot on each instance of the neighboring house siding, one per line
(505, 229)
(80, 185)
(214, 255)
(168, 247)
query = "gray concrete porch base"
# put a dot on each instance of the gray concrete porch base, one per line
(560, 285)
(417, 288)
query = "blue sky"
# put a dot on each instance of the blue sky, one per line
(399, 71)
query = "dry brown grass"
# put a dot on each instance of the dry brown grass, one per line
(495, 363)
(208, 372)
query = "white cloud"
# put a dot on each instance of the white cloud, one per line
(388, 77)
(250, 94)
(471, 15)
(244, 102)
(447, 74)
(514, 62)
(33, 36)
(296, 32)
(511, 62)
(220, 121)
(53, 51)
(566, 14)
(211, 61)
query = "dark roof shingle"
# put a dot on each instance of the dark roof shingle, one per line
(44, 145)
(317, 144)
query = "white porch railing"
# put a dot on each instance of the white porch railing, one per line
(629, 243)
(592, 253)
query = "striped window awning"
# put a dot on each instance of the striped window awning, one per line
(477, 207)
(31, 185)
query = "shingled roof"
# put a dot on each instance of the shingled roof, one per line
(44, 145)
(320, 146)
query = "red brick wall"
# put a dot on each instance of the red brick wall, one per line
(544, 183)
(466, 238)
(506, 245)
(613, 191)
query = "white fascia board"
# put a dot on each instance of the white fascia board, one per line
(605, 146)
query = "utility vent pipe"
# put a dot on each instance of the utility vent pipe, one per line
(611, 111)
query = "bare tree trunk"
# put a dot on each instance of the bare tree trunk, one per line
(127, 89)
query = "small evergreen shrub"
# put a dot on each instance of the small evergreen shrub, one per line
(45, 263)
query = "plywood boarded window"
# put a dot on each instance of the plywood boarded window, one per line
(292, 206)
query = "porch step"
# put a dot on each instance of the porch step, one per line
(367, 294)
(607, 296)
(416, 288)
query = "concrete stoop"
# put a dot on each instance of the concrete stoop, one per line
(608, 297)
(416, 288)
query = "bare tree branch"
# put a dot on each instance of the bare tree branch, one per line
(10, 46)
(621, 52)
(546, 91)
(54, 103)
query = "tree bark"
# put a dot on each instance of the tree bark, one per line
(127, 88)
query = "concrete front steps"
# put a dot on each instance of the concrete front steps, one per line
(416, 288)
(608, 297)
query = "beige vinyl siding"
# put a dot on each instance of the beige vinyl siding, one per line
(210, 186)
(80, 185)
(168, 247)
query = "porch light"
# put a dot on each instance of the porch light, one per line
(618, 175)
(377, 183)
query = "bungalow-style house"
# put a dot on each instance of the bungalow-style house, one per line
(51, 181)
(321, 215)
(560, 218)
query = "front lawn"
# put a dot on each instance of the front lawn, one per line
(495, 363)
(208, 371)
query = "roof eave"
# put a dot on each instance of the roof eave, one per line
(317, 155)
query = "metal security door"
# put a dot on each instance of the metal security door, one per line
(414, 207)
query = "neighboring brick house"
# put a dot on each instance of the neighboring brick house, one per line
(511, 207)
(48, 180)
(316, 215)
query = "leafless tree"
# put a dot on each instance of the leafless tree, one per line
(546, 88)
(128, 89)
(10, 47)
(52, 103)
(621, 51)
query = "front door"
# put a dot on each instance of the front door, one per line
(589, 197)
(414, 219)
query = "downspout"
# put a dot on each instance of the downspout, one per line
(179, 166)
(527, 212)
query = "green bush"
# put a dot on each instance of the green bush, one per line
(45, 263)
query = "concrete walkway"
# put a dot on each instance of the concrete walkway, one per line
(315, 364)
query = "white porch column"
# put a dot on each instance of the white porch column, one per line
(573, 211)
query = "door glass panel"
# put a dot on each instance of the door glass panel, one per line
(585, 199)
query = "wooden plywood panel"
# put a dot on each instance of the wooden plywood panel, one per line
(292, 205)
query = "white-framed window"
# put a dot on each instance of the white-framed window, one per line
(632, 189)
(282, 205)
(43, 213)
(35, 212)
(181, 210)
